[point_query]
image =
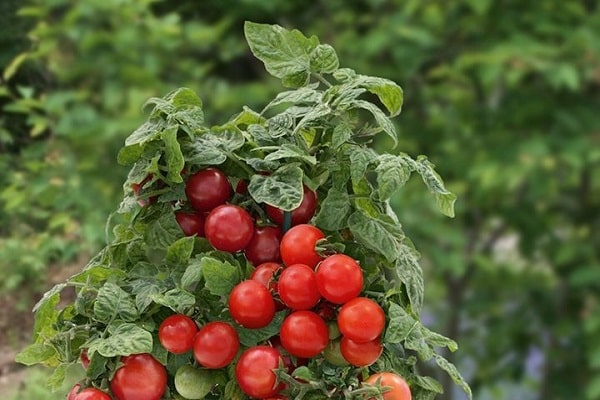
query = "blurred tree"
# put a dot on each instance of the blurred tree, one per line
(501, 94)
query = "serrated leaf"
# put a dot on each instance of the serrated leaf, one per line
(176, 299)
(428, 383)
(392, 174)
(303, 95)
(38, 353)
(401, 324)
(96, 275)
(124, 340)
(213, 148)
(388, 92)
(57, 378)
(220, 277)
(173, 155)
(380, 118)
(334, 210)
(341, 134)
(314, 113)
(180, 251)
(443, 198)
(113, 303)
(289, 151)
(324, 60)
(192, 275)
(286, 54)
(283, 189)
(130, 154)
(453, 373)
(411, 275)
(149, 130)
(374, 234)
(360, 158)
(163, 231)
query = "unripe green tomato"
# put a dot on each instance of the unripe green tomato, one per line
(193, 383)
(333, 354)
(334, 330)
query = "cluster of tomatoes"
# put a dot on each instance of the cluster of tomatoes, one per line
(325, 316)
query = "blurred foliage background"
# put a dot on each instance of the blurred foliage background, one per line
(502, 95)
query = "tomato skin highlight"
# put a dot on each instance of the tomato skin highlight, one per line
(264, 245)
(176, 333)
(339, 278)
(191, 223)
(254, 371)
(140, 377)
(360, 354)
(229, 228)
(398, 388)
(207, 189)
(251, 304)
(300, 215)
(304, 334)
(297, 287)
(361, 319)
(216, 345)
(91, 393)
(298, 245)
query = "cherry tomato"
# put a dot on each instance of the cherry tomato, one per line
(74, 392)
(140, 378)
(91, 393)
(138, 189)
(229, 228)
(304, 334)
(301, 215)
(333, 354)
(191, 223)
(339, 278)
(298, 245)
(216, 345)
(265, 274)
(254, 371)
(361, 319)
(264, 245)
(397, 388)
(251, 304)
(176, 333)
(297, 287)
(290, 363)
(207, 189)
(360, 354)
(194, 383)
(84, 358)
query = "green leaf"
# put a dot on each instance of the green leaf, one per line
(176, 299)
(342, 133)
(46, 313)
(283, 189)
(38, 353)
(192, 275)
(289, 151)
(124, 340)
(444, 199)
(180, 251)
(57, 378)
(114, 303)
(380, 118)
(324, 60)
(163, 231)
(453, 373)
(392, 174)
(96, 275)
(334, 210)
(286, 54)
(221, 277)
(376, 234)
(252, 337)
(303, 95)
(149, 130)
(401, 324)
(388, 92)
(411, 275)
(184, 98)
(213, 148)
(428, 383)
(173, 154)
(360, 158)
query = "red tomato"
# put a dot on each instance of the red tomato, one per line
(191, 223)
(83, 357)
(290, 363)
(74, 392)
(140, 378)
(176, 333)
(264, 245)
(138, 188)
(254, 371)
(216, 345)
(304, 334)
(339, 278)
(396, 386)
(298, 245)
(91, 393)
(265, 274)
(207, 189)
(360, 354)
(300, 215)
(361, 319)
(251, 304)
(229, 228)
(297, 287)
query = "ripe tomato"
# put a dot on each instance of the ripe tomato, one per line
(91, 393)
(290, 363)
(297, 287)
(300, 215)
(265, 274)
(207, 189)
(339, 278)
(138, 188)
(304, 334)
(229, 228)
(140, 378)
(298, 245)
(251, 304)
(264, 245)
(84, 358)
(216, 345)
(254, 371)
(74, 392)
(360, 354)
(176, 333)
(361, 319)
(191, 223)
(397, 388)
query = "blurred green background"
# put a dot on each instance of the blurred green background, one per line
(503, 96)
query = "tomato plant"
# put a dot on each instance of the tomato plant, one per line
(176, 333)
(395, 387)
(198, 254)
(140, 377)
